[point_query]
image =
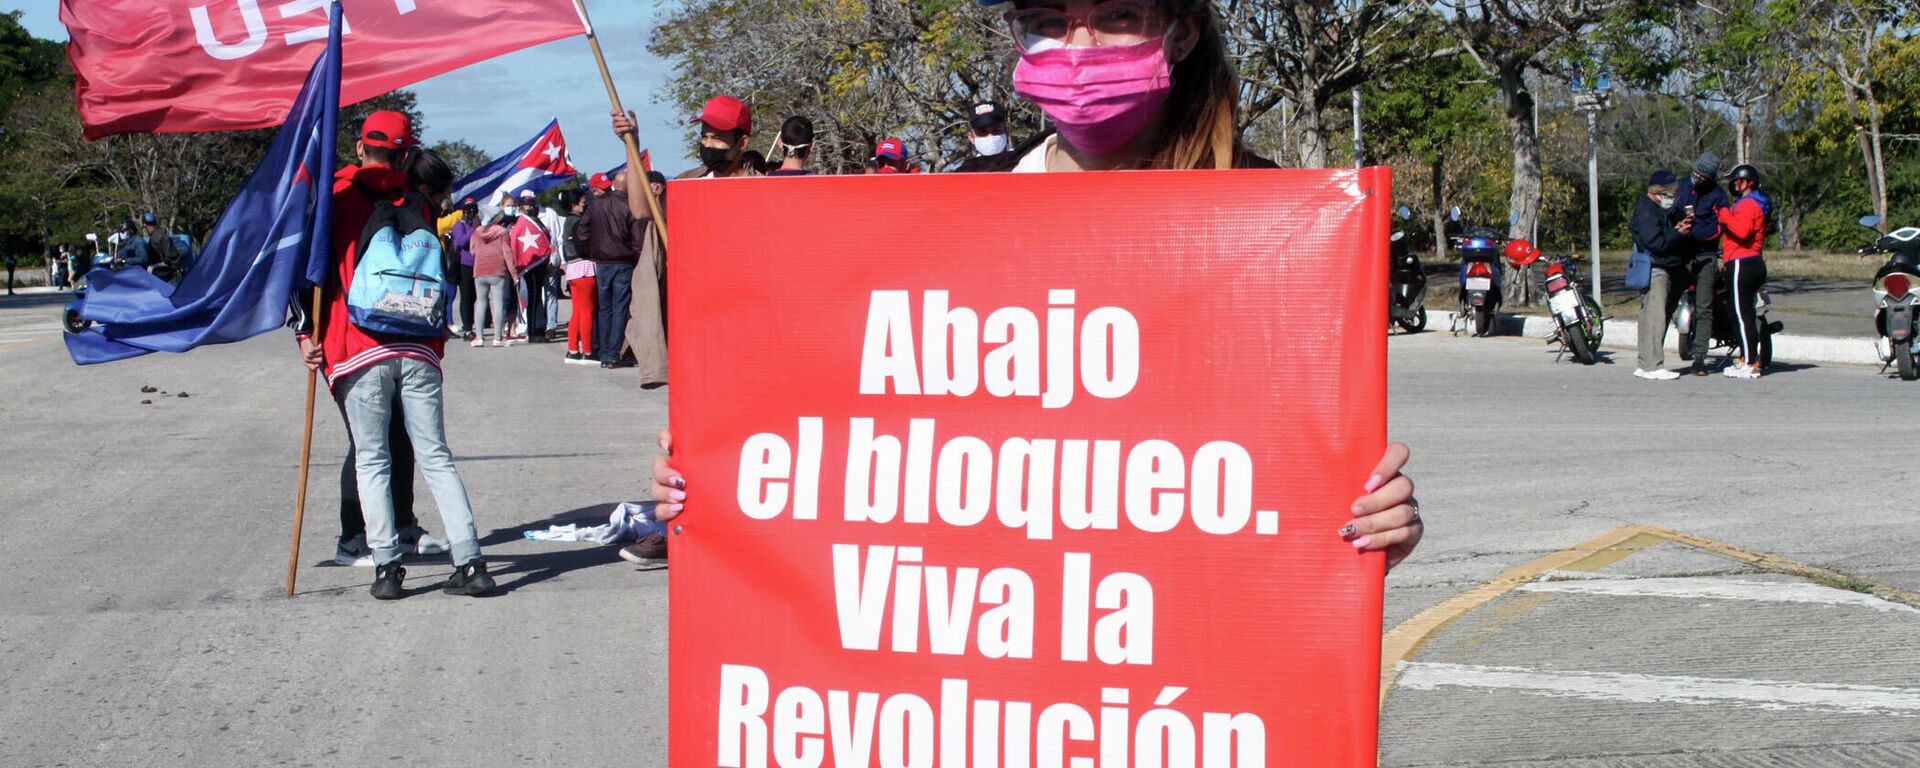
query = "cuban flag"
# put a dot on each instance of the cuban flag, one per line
(538, 164)
(646, 163)
(262, 248)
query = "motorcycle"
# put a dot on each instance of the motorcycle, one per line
(1896, 309)
(1579, 324)
(1407, 280)
(1479, 249)
(1726, 330)
(70, 319)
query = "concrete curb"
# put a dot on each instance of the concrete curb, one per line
(1624, 334)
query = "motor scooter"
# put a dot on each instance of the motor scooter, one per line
(1726, 328)
(70, 319)
(1896, 308)
(1406, 279)
(1480, 250)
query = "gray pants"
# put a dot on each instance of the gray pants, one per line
(368, 396)
(1656, 308)
(491, 296)
(1705, 268)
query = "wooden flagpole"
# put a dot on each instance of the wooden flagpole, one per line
(633, 144)
(306, 455)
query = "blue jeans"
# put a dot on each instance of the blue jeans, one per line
(367, 395)
(615, 283)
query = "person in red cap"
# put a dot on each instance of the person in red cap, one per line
(890, 156)
(598, 184)
(376, 377)
(725, 125)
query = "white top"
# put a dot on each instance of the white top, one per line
(1035, 160)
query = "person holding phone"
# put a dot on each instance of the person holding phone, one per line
(1655, 233)
(1700, 199)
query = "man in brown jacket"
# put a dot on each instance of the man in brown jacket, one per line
(605, 235)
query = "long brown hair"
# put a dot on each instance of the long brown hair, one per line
(1199, 129)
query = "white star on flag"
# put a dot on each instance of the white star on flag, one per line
(529, 240)
(552, 152)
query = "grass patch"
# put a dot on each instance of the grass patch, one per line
(1818, 266)
(1839, 580)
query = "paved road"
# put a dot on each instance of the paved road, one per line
(146, 534)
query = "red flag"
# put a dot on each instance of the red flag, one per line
(172, 66)
(646, 162)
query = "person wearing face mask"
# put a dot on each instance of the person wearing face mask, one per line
(1137, 84)
(796, 139)
(1744, 235)
(1701, 197)
(725, 125)
(1666, 240)
(987, 132)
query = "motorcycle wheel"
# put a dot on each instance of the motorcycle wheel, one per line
(1765, 347)
(1577, 344)
(1595, 320)
(72, 322)
(1483, 321)
(1414, 324)
(1903, 359)
(1685, 340)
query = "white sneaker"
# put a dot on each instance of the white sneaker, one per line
(1655, 375)
(422, 542)
(477, 341)
(508, 343)
(496, 342)
(1739, 371)
(353, 553)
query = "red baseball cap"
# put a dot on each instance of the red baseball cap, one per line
(891, 149)
(726, 113)
(599, 181)
(389, 129)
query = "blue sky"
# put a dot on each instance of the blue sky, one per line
(498, 104)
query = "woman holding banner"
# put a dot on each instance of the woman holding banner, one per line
(1135, 84)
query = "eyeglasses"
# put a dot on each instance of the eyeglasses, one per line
(1114, 22)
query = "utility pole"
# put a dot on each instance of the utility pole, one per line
(1359, 154)
(1592, 101)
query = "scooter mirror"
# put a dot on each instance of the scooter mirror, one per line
(1870, 221)
(1404, 212)
(1454, 213)
(1397, 236)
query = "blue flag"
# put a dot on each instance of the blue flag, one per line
(272, 239)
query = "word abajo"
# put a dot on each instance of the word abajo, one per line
(1027, 484)
(1108, 340)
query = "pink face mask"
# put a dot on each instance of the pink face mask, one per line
(1099, 97)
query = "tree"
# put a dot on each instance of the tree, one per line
(1432, 113)
(860, 70)
(1509, 38)
(463, 157)
(1306, 54)
(1847, 39)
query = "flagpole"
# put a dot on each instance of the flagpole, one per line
(317, 238)
(633, 144)
(306, 454)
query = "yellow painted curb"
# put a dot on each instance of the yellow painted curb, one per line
(1598, 552)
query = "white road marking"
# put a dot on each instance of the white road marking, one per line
(1719, 589)
(1666, 689)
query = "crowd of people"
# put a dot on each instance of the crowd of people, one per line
(1694, 234)
(1127, 84)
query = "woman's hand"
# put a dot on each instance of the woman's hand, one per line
(669, 489)
(1388, 517)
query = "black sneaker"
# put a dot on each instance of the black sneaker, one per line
(574, 357)
(606, 364)
(650, 548)
(470, 579)
(386, 581)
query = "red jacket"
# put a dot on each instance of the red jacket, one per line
(1743, 226)
(346, 346)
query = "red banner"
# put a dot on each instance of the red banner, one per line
(1026, 470)
(170, 66)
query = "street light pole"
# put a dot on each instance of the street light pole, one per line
(1593, 200)
(1592, 101)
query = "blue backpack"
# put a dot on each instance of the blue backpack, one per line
(399, 285)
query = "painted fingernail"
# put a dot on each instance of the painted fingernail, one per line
(1348, 531)
(1362, 542)
(678, 482)
(677, 495)
(1373, 483)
